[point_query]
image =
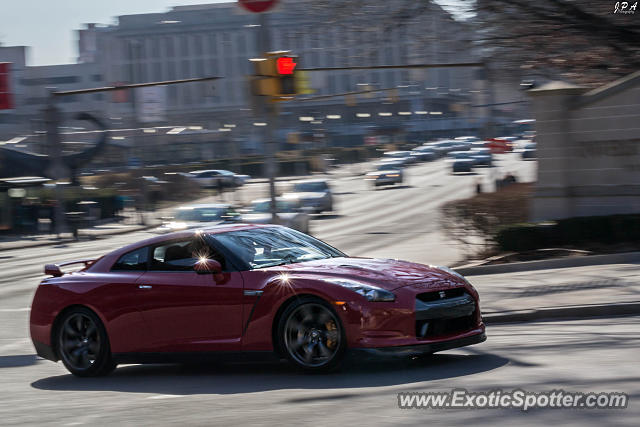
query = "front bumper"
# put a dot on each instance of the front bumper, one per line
(45, 351)
(427, 348)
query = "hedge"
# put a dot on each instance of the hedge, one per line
(577, 231)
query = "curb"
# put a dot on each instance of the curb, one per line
(578, 261)
(64, 241)
(552, 313)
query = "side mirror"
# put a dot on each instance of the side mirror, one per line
(207, 266)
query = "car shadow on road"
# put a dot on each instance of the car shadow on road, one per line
(16, 361)
(326, 216)
(393, 187)
(240, 378)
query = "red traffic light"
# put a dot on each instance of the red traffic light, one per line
(285, 65)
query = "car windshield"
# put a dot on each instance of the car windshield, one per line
(199, 214)
(310, 187)
(271, 246)
(387, 167)
(482, 151)
(282, 206)
(398, 154)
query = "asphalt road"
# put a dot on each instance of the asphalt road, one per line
(578, 356)
(398, 222)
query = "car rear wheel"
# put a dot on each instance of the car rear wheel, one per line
(83, 345)
(311, 335)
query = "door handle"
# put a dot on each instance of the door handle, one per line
(145, 286)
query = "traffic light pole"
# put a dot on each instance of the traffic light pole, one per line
(268, 110)
(52, 121)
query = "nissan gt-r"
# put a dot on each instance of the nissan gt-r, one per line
(241, 290)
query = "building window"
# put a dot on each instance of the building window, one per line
(198, 45)
(155, 47)
(171, 71)
(169, 47)
(213, 46)
(184, 46)
(200, 68)
(186, 69)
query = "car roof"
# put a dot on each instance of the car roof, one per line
(304, 181)
(104, 263)
(205, 206)
(222, 171)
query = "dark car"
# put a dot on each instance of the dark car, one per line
(529, 151)
(461, 161)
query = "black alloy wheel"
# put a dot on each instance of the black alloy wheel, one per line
(83, 345)
(312, 336)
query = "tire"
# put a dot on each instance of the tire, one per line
(83, 345)
(311, 336)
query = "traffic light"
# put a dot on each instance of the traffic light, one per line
(275, 75)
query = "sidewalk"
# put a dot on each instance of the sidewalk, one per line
(585, 291)
(110, 229)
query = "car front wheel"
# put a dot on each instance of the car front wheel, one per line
(83, 344)
(311, 335)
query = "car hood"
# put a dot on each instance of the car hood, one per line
(388, 274)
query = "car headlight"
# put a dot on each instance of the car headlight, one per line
(371, 293)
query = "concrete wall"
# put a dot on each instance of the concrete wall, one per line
(588, 149)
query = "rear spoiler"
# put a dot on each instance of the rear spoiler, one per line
(54, 269)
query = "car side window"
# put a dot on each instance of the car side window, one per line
(182, 255)
(132, 261)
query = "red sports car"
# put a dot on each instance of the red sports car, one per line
(242, 290)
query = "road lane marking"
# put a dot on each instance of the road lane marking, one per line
(12, 310)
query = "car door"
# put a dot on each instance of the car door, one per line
(185, 310)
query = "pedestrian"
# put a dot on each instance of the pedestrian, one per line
(478, 186)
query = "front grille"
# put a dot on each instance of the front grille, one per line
(445, 312)
(434, 328)
(435, 295)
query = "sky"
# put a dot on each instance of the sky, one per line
(47, 26)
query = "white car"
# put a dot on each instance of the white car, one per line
(213, 178)
(289, 212)
(314, 194)
(199, 216)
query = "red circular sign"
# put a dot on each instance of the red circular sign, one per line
(257, 6)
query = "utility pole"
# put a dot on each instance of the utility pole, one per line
(52, 121)
(269, 111)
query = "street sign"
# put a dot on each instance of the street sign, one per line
(257, 6)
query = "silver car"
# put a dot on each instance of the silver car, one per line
(385, 175)
(198, 216)
(289, 213)
(314, 194)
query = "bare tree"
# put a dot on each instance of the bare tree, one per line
(585, 42)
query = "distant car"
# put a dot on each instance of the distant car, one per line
(315, 194)
(461, 161)
(213, 178)
(385, 175)
(198, 216)
(482, 156)
(402, 156)
(529, 151)
(424, 153)
(446, 146)
(290, 213)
